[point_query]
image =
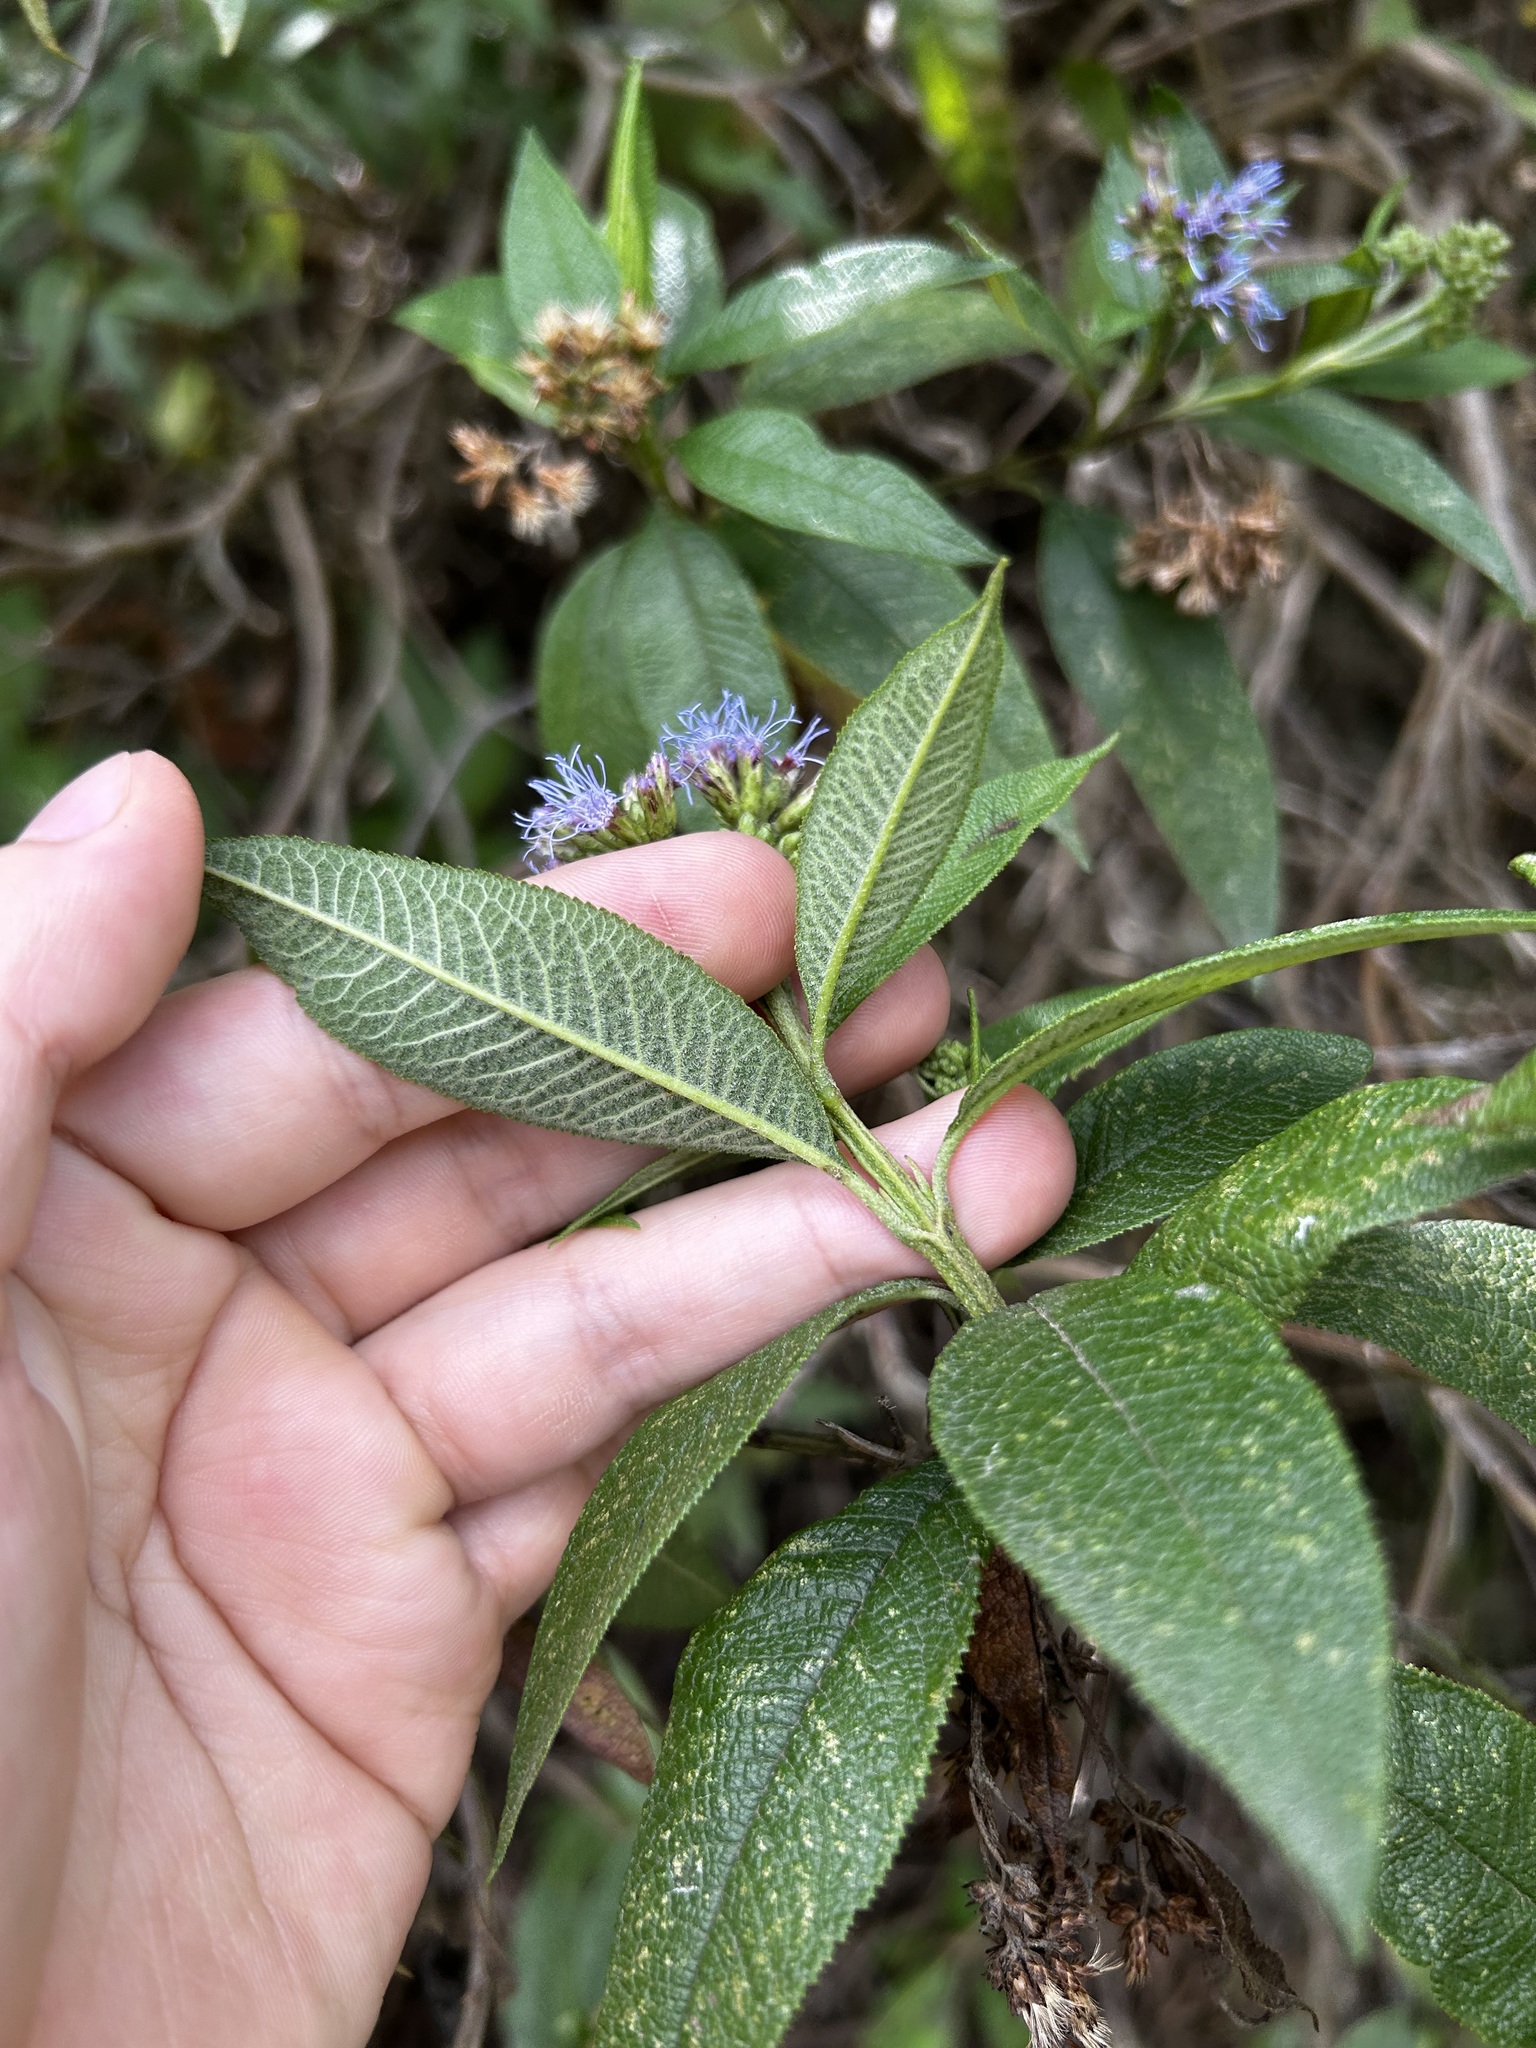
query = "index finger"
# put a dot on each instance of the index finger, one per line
(230, 1105)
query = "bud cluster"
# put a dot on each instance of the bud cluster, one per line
(1209, 553)
(544, 492)
(1468, 260)
(596, 371)
(1204, 247)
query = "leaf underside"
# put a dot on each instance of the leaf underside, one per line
(516, 998)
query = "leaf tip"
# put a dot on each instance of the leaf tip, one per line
(1524, 865)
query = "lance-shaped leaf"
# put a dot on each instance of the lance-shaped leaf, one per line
(1188, 738)
(551, 255)
(1274, 1219)
(889, 802)
(631, 196)
(998, 819)
(812, 298)
(662, 621)
(665, 1467)
(35, 14)
(1458, 1300)
(1331, 432)
(1042, 326)
(802, 1723)
(687, 278)
(1152, 1456)
(1150, 1135)
(1472, 364)
(516, 999)
(1090, 1019)
(1457, 1894)
(884, 349)
(470, 318)
(778, 468)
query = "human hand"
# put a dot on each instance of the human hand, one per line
(297, 1410)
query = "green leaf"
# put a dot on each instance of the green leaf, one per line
(679, 1588)
(802, 1722)
(660, 622)
(1472, 364)
(779, 469)
(551, 255)
(1194, 161)
(687, 279)
(1100, 98)
(612, 1208)
(652, 1483)
(998, 819)
(631, 196)
(1141, 292)
(1298, 284)
(1091, 1020)
(889, 802)
(1150, 1135)
(469, 319)
(1272, 1221)
(812, 298)
(1188, 739)
(228, 19)
(1333, 433)
(1457, 1893)
(1152, 1456)
(1043, 327)
(884, 349)
(517, 999)
(848, 615)
(35, 14)
(1458, 1300)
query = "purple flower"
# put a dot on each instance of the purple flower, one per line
(705, 742)
(575, 799)
(1205, 245)
(1235, 295)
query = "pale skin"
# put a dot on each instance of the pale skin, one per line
(297, 1409)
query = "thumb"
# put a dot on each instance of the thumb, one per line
(98, 899)
(97, 903)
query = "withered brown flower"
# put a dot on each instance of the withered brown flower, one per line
(1208, 553)
(543, 492)
(596, 371)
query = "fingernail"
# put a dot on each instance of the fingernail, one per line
(86, 804)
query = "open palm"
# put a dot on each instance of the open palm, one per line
(297, 1409)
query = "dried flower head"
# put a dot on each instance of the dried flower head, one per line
(579, 814)
(595, 370)
(1209, 554)
(543, 492)
(1038, 1956)
(757, 774)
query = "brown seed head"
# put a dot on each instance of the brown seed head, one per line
(1208, 555)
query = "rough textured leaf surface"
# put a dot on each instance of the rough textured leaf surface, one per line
(1333, 433)
(687, 277)
(801, 1727)
(642, 1497)
(998, 819)
(551, 255)
(777, 467)
(1154, 1458)
(662, 621)
(1458, 1875)
(1188, 739)
(515, 998)
(889, 802)
(1153, 1133)
(812, 298)
(1458, 1300)
(1273, 1220)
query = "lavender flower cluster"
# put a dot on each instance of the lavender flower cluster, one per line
(1205, 246)
(756, 773)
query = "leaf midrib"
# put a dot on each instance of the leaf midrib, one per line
(750, 1819)
(730, 1112)
(1133, 1429)
(1437, 1822)
(859, 901)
